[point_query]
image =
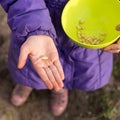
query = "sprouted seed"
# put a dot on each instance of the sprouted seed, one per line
(89, 39)
(81, 21)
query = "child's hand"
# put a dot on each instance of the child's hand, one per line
(113, 48)
(44, 57)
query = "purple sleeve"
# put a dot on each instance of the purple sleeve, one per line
(28, 17)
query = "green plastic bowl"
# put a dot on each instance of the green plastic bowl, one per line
(98, 16)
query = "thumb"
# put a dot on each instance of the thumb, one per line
(24, 52)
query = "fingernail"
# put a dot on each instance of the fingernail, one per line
(62, 85)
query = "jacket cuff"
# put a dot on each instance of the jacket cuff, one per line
(42, 32)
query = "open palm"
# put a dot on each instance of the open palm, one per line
(50, 70)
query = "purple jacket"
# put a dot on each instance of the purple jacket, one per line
(20, 14)
(84, 69)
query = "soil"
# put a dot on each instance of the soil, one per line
(102, 104)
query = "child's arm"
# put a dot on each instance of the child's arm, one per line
(33, 32)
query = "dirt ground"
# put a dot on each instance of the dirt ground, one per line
(102, 104)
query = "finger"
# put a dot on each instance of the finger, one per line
(39, 65)
(59, 68)
(118, 41)
(56, 76)
(112, 47)
(113, 51)
(41, 72)
(52, 79)
(23, 56)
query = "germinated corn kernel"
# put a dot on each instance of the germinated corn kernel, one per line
(89, 39)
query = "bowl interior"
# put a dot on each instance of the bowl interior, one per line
(97, 17)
